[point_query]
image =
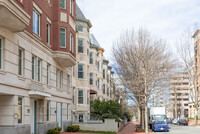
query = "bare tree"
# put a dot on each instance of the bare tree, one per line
(185, 49)
(143, 62)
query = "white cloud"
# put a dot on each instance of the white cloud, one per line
(164, 18)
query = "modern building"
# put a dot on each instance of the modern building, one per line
(37, 52)
(179, 89)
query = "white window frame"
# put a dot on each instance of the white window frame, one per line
(22, 62)
(48, 33)
(79, 30)
(38, 23)
(81, 40)
(60, 37)
(33, 76)
(2, 51)
(71, 42)
(72, 7)
(82, 71)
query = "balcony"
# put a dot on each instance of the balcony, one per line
(12, 16)
(64, 59)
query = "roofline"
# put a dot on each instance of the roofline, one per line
(85, 20)
(195, 34)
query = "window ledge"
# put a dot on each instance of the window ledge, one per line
(37, 82)
(2, 72)
(37, 36)
(21, 78)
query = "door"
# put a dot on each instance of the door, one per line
(59, 114)
(33, 117)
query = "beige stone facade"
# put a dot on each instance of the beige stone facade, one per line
(179, 85)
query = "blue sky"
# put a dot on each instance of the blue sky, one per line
(167, 19)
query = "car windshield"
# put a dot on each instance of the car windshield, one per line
(159, 122)
(159, 117)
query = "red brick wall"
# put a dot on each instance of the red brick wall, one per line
(53, 13)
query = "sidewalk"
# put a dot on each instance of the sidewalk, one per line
(193, 123)
(130, 129)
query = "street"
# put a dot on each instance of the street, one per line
(175, 129)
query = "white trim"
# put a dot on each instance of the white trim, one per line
(22, 64)
(49, 33)
(38, 22)
(71, 42)
(48, 20)
(39, 93)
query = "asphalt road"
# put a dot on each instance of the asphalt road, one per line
(175, 129)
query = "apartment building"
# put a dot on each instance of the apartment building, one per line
(179, 85)
(89, 71)
(37, 52)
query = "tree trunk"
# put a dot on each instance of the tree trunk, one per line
(142, 118)
(146, 119)
(196, 116)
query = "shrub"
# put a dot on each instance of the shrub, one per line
(51, 131)
(73, 128)
(111, 116)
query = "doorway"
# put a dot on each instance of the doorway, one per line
(59, 114)
(33, 116)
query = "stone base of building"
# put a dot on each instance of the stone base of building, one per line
(42, 128)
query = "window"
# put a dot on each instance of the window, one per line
(107, 91)
(72, 7)
(80, 97)
(71, 42)
(39, 70)
(91, 58)
(80, 29)
(73, 100)
(80, 45)
(59, 78)
(104, 89)
(104, 74)
(63, 4)
(36, 23)
(21, 1)
(63, 37)
(20, 61)
(80, 71)
(48, 33)
(91, 78)
(48, 111)
(67, 111)
(73, 70)
(33, 68)
(20, 110)
(98, 84)
(68, 82)
(48, 74)
(98, 66)
(88, 97)
(1, 54)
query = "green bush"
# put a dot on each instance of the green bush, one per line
(54, 131)
(73, 128)
(51, 131)
(111, 116)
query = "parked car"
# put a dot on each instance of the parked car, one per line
(175, 121)
(182, 122)
(160, 126)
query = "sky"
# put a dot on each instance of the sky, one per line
(167, 19)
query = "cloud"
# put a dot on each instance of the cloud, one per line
(164, 18)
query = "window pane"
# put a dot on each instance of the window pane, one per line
(71, 42)
(80, 28)
(19, 110)
(39, 70)
(57, 77)
(62, 37)
(80, 71)
(36, 22)
(61, 78)
(20, 62)
(80, 96)
(91, 78)
(48, 74)
(48, 33)
(62, 4)
(91, 58)
(73, 95)
(71, 6)
(80, 45)
(1, 52)
(33, 68)
(48, 110)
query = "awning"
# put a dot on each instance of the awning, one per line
(93, 91)
(39, 93)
